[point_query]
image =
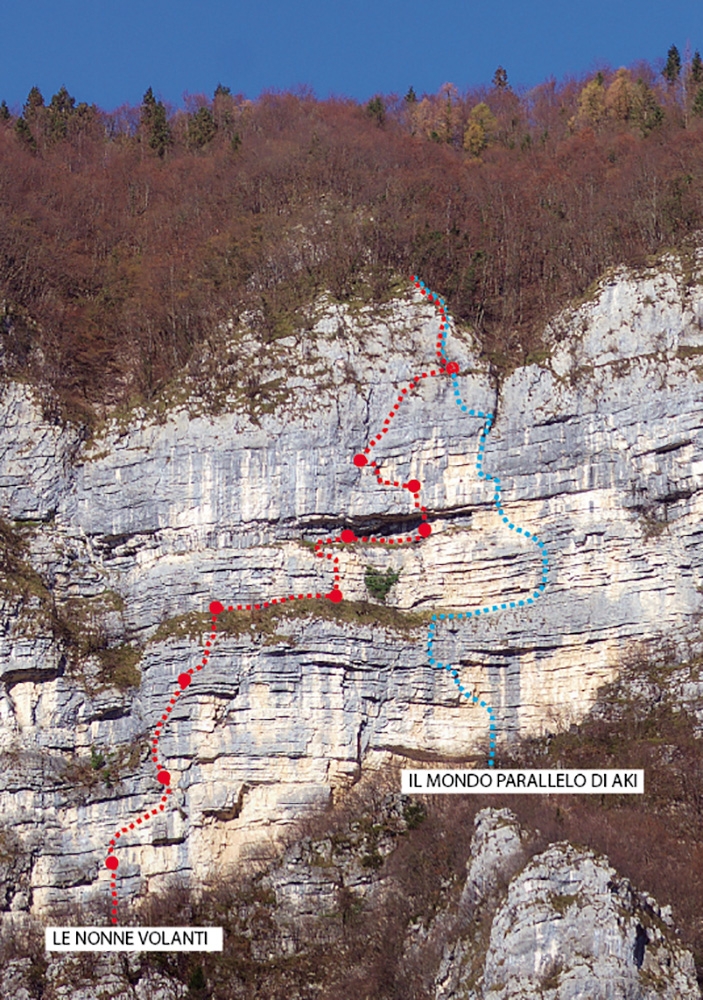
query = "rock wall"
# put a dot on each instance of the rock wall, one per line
(599, 449)
(553, 924)
(564, 925)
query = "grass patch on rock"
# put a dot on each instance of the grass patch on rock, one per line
(195, 625)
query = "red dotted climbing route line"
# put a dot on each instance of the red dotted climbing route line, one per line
(323, 550)
(361, 460)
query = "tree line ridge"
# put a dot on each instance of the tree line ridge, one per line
(132, 240)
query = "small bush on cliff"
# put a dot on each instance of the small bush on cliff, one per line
(379, 584)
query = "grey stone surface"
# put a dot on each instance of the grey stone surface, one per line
(566, 927)
(560, 924)
(95, 976)
(599, 450)
(497, 851)
(570, 928)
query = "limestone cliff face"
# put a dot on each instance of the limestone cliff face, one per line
(599, 449)
(553, 924)
(563, 926)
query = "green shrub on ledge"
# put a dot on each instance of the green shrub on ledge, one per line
(379, 584)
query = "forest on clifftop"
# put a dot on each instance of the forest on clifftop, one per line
(128, 239)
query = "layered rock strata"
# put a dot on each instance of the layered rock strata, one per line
(128, 538)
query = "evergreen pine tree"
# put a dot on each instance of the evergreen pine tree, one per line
(148, 101)
(84, 115)
(376, 110)
(160, 138)
(33, 113)
(34, 102)
(4, 112)
(697, 67)
(147, 111)
(646, 112)
(61, 110)
(155, 123)
(201, 128)
(673, 65)
(411, 96)
(222, 91)
(24, 134)
(500, 78)
(697, 106)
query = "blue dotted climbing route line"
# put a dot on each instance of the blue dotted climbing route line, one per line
(452, 370)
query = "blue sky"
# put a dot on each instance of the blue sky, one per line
(110, 53)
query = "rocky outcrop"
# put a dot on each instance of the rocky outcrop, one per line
(599, 448)
(566, 926)
(558, 923)
(87, 977)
